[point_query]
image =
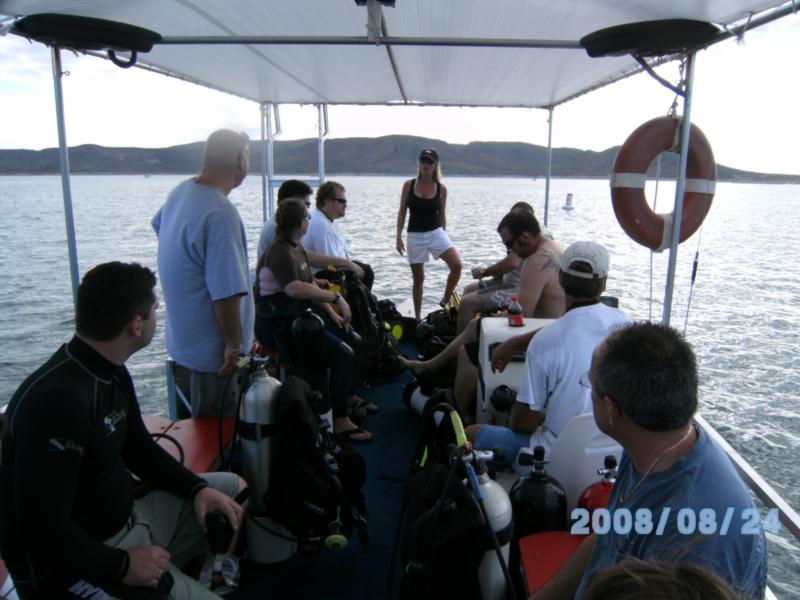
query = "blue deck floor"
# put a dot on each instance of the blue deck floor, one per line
(349, 573)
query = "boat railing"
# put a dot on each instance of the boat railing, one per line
(765, 492)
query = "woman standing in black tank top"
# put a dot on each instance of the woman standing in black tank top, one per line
(425, 200)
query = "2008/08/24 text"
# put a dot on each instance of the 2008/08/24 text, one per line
(688, 521)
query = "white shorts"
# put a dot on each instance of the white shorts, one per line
(421, 244)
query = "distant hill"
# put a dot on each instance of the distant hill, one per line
(388, 155)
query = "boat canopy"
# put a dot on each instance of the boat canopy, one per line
(523, 53)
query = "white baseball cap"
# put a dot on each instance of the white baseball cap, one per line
(595, 255)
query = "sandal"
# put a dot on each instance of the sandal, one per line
(358, 408)
(347, 436)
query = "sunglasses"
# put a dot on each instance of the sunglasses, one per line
(341, 201)
(427, 161)
(510, 242)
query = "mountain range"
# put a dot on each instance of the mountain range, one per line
(388, 155)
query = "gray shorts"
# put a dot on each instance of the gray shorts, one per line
(166, 520)
(204, 391)
(497, 296)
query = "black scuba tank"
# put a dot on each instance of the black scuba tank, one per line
(538, 500)
(308, 337)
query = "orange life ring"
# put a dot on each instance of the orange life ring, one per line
(629, 175)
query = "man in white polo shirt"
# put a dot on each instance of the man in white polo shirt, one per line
(550, 392)
(324, 235)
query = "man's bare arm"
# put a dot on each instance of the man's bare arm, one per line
(322, 261)
(567, 579)
(523, 419)
(503, 266)
(228, 319)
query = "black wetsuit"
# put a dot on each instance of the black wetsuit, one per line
(74, 431)
(423, 212)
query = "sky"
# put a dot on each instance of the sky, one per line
(745, 99)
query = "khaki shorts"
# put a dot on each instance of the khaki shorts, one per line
(204, 391)
(166, 520)
(496, 297)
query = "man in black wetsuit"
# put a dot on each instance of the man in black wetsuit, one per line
(69, 524)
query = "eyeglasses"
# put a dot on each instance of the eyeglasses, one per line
(342, 201)
(427, 161)
(510, 242)
(585, 381)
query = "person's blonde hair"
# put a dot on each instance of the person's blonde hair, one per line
(637, 579)
(224, 149)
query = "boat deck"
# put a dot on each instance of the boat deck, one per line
(352, 573)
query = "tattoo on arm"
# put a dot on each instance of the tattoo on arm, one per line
(550, 263)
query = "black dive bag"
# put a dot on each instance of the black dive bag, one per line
(315, 488)
(444, 537)
(378, 356)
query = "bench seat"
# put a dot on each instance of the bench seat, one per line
(199, 438)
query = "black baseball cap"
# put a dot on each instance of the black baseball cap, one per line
(429, 153)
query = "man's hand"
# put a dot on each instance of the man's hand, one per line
(477, 272)
(344, 308)
(229, 361)
(209, 499)
(501, 356)
(147, 564)
(400, 246)
(357, 271)
(322, 283)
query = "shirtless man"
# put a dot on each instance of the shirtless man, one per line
(496, 283)
(540, 294)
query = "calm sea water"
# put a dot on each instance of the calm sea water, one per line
(743, 318)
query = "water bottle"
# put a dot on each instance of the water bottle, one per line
(515, 318)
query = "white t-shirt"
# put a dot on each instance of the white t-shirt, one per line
(555, 360)
(324, 237)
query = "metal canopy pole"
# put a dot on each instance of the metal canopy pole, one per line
(263, 107)
(270, 161)
(680, 186)
(63, 155)
(322, 115)
(549, 164)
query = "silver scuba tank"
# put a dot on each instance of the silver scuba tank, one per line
(257, 417)
(498, 510)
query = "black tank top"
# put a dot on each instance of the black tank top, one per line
(424, 211)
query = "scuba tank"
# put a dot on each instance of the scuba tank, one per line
(538, 500)
(308, 337)
(256, 419)
(413, 397)
(257, 415)
(597, 494)
(499, 514)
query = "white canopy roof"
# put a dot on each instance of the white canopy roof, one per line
(434, 52)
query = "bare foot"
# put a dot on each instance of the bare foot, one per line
(413, 365)
(349, 431)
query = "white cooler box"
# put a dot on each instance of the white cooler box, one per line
(493, 331)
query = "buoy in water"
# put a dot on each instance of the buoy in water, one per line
(568, 203)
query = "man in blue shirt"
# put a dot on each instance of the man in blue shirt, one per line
(685, 500)
(203, 266)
